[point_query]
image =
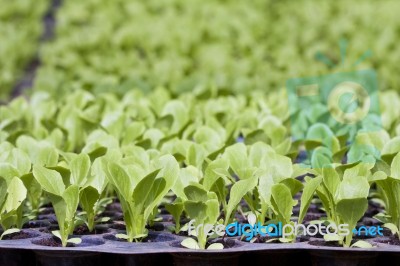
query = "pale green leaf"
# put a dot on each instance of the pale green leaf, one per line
(79, 168)
(190, 243)
(215, 246)
(362, 244)
(122, 236)
(238, 190)
(395, 167)
(50, 180)
(392, 227)
(308, 192)
(333, 237)
(74, 240)
(16, 195)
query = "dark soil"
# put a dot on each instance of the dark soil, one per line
(312, 216)
(227, 242)
(47, 210)
(373, 209)
(36, 224)
(19, 235)
(183, 233)
(156, 227)
(113, 207)
(167, 218)
(84, 230)
(261, 239)
(323, 243)
(118, 226)
(392, 240)
(51, 218)
(149, 239)
(51, 242)
(114, 215)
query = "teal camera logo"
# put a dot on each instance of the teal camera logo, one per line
(335, 108)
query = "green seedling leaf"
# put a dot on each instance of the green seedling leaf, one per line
(79, 167)
(9, 232)
(140, 236)
(212, 210)
(71, 198)
(215, 170)
(190, 243)
(47, 156)
(215, 246)
(3, 191)
(362, 244)
(392, 227)
(16, 195)
(238, 160)
(176, 210)
(195, 193)
(75, 241)
(88, 198)
(351, 210)
(279, 166)
(395, 167)
(238, 191)
(34, 190)
(256, 136)
(354, 187)
(196, 210)
(97, 153)
(293, 184)
(284, 240)
(187, 175)
(379, 175)
(264, 187)
(282, 202)
(120, 180)
(122, 236)
(332, 237)
(20, 160)
(219, 188)
(103, 220)
(321, 158)
(158, 219)
(147, 191)
(57, 234)
(7, 171)
(50, 180)
(99, 180)
(331, 180)
(308, 192)
(392, 146)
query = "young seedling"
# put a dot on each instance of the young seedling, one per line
(176, 209)
(343, 193)
(64, 198)
(388, 180)
(138, 198)
(203, 208)
(12, 195)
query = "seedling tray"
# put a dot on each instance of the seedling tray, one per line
(165, 249)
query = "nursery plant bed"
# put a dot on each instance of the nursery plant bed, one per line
(164, 247)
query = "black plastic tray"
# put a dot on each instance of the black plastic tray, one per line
(165, 249)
